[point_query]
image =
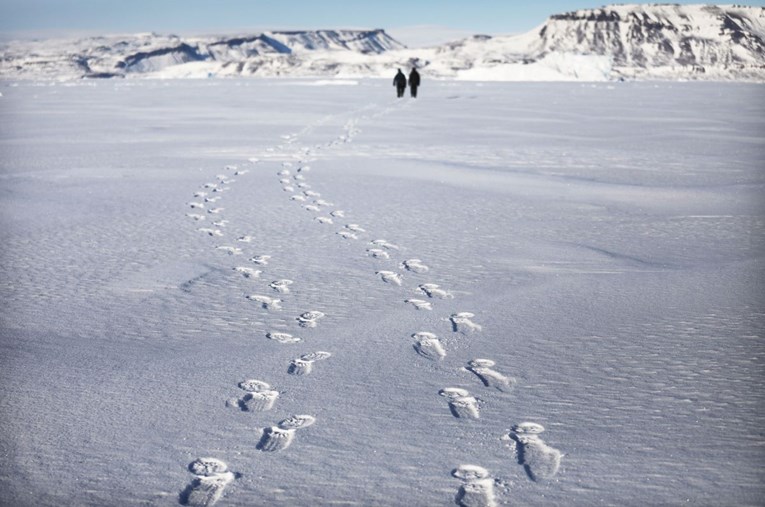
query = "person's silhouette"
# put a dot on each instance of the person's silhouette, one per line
(400, 83)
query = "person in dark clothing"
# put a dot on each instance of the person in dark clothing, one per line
(414, 82)
(400, 83)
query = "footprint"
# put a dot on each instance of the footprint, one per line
(298, 197)
(323, 220)
(285, 181)
(248, 272)
(298, 177)
(429, 346)
(266, 302)
(212, 477)
(304, 169)
(241, 172)
(221, 223)
(490, 378)
(300, 367)
(338, 213)
(433, 291)
(319, 355)
(196, 216)
(461, 323)
(322, 202)
(259, 398)
(215, 211)
(461, 404)
(354, 228)
(231, 250)
(390, 277)
(283, 337)
(282, 286)
(197, 205)
(279, 437)
(377, 253)
(419, 304)
(211, 232)
(347, 235)
(303, 365)
(245, 239)
(259, 402)
(288, 188)
(300, 185)
(310, 319)
(311, 193)
(311, 208)
(261, 259)
(415, 266)
(384, 244)
(254, 386)
(283, 172)
(210, 185)
(200, 194)
(477, 488)
(212, 199)
(540, 461)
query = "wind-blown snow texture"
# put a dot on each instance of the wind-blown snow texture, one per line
(587, 262)
(700, 42)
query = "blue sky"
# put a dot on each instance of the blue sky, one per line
(412, 21)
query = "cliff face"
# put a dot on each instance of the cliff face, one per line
(639, 38)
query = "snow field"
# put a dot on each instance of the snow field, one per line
(543, 292)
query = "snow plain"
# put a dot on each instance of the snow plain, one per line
(606, 238)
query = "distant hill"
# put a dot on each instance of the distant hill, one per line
(615, 42)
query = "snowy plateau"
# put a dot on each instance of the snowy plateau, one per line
(669, 42)
(282, 292)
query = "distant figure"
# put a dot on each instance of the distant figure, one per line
(400, 83)
(414, 82)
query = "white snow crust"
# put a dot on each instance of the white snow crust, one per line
(592, 256)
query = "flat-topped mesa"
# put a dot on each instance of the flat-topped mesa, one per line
(650, 36)
(362, 41)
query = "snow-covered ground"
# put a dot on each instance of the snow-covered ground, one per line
(607, 240)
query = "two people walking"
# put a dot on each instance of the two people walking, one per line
(400, 83)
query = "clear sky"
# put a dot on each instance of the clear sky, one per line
(414, 22)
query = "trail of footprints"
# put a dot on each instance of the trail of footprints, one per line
(539, 460)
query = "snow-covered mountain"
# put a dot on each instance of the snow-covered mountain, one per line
(654, 40)
(149, 54)
(623, 41)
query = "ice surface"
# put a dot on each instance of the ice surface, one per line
(605, 241)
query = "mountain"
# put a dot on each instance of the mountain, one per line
(615, 42)
(149, 54)
(651, 40)
(621, 42)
